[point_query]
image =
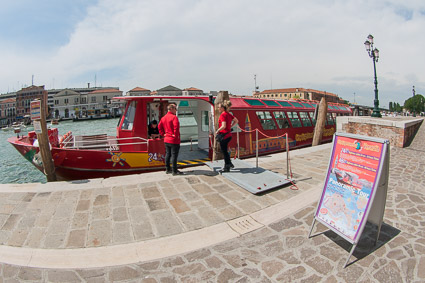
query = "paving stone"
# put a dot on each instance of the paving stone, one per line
(30, 274)
(10, 270)
(153, 265)
(227, 275)
(231, 212)
(170, 193)
(202, 188)
(179, 205)
(83, 205)
(62, 276)
(91, 273)
(80, 220)
(197, 255)
(18, 237)
(421, 271)
(101, 200)
(209, 216)
(35, 237)
(191, 268)
(174, 261)
(150, 192)
(191, 221)
(156, 204)
(99, 233)
(11, 222)
(272, 267)
(53, 241)
(120, 214)
(76, 239)
(292, 274)
(121, 233)
(319, 264)
(166, 223)
(142, 231)
(123, 273)
(101, 212)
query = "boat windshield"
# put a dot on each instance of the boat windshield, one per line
(129, 116)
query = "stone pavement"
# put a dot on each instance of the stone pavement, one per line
(120, 213)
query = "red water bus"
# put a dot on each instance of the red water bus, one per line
(131, 152)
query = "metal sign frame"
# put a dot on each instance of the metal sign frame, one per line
(375, 207)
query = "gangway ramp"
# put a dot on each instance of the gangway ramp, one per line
(253, 179)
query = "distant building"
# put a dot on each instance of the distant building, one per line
(24, 98)
(169, 91)
(138, 91)
(192, 91)
(298, 93)
(7, 111)
(70, 103)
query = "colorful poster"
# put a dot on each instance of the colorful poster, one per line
(349, 184)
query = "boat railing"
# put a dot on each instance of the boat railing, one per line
(100, 142)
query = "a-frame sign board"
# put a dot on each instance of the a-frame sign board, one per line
(355, 189)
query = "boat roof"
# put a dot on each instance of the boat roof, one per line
(244, 102)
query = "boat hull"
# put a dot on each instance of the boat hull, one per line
(74, 164)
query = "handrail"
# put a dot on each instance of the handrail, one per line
(71, 142)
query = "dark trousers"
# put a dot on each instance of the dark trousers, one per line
(224, 149)
(171, 152)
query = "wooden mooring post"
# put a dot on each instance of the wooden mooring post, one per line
(221, 97)
(320, 123)
(44, 145)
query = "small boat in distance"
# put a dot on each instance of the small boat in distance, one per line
(131, 151)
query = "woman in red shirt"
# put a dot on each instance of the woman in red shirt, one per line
(225, 123)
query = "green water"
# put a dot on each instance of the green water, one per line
(14, 168)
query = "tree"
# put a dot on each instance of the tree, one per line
(390, 107)
(415, 104)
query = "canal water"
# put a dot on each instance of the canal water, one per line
(14, 168)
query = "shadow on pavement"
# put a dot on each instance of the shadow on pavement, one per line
(366, 244)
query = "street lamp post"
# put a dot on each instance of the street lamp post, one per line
(374, 54)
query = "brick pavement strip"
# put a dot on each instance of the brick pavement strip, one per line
(278, 252)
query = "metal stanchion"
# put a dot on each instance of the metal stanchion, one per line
(256, 147)
(237, 137)
(190, 144)
(287, 156)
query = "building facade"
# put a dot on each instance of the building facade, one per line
(192, 91)
(71, 104)
(7, 111)
(298, 93)
(138, 91)
(24, 98)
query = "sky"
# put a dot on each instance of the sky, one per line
(215, 45)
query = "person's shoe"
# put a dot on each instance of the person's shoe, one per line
(168, 171)
(225, 169)
(232, 166)
(177, 173)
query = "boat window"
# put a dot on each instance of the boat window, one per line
(305, 119)
(311, 115)
(284, 104)
(254, 102)
(281, 119)
(295, 121)
(205, 125)
(184, 103)
(296, 104)
(270, 103)
(129, 116)
(266, 120)
(329, 119)
(307, 105)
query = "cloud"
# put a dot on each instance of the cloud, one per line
(220, 45)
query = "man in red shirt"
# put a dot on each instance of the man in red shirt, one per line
(169, 128)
